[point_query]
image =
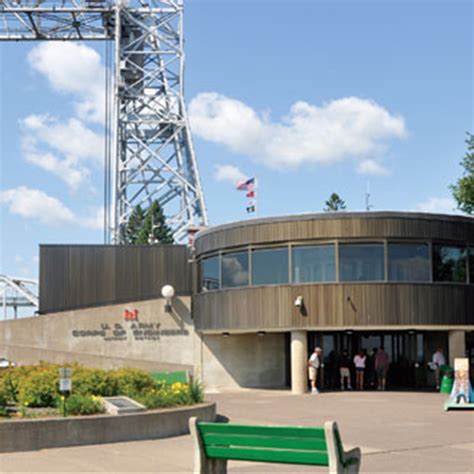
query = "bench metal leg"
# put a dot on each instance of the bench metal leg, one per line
(203, 465)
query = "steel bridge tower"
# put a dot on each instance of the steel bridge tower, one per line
(149, 151)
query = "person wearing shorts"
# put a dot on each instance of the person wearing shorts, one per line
(314, 363)
(359, 362)
(344, 370)
(382, 362)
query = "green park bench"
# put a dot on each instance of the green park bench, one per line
(171, 377)
(216, 443)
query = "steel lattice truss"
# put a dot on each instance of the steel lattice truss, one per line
(152, 152)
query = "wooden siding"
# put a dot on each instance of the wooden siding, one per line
(335, 305)
(374, 225)
(82, 276)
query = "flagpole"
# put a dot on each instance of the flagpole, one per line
(256, 197)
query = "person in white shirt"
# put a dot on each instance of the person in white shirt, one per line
(314, 363)
(359, 362)
(438, 361)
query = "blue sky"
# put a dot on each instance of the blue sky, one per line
(301, 73)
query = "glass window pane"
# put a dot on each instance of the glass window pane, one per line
(235, 269)
(408, 262)
(361, 262)
(270, 266)
(449, 263)
(210, 273)
(471, 265)
(314, 263)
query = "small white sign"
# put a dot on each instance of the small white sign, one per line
(65, 385)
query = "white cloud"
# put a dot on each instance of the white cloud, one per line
(228, 173)
(438, 205)
(347, 128)
(372, 168)
(35, 204)
(73, 68)
(95, 219)
(77, 146)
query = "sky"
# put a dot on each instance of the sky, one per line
(309, 97)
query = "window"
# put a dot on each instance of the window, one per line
(314, 263)
(235, 269)
(270, 266)
(361, 262)
(210, 273)
(449, 263)
(471, 265)
(408, 262)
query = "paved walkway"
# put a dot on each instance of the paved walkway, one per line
(397, 431)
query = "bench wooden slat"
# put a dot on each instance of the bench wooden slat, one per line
(305, 444)
(273, 431)
(267, 455)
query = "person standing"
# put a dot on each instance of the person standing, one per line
(382, 362)
(314, 363)
(359, 362)
(371, 375)
(438, 361)
(344, 370)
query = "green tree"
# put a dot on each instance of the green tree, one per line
(463, 190)
(134, 225)
(148, 227)
(335, 203)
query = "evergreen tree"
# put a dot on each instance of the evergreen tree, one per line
(134, 225)
(335, 203)
(148, 227)
(463, 190)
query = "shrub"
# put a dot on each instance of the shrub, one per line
(12, 378)
(40, 388)
(82, 405)
(87, 381)
(196, 390)
(3, 394)
(133, 382)
(166, 396)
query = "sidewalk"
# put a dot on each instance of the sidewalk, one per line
(397, 431)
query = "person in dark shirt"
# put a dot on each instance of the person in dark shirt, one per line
(345, 370)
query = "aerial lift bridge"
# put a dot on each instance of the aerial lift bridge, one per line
(149, 153)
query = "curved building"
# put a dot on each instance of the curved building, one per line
(351, 281)
(253, 298)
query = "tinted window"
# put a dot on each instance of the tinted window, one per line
(471, 265)
(270, 266)
(361, 262)
(210, 273)
(408, 262)
(235, 269)
(449, 263)
(314, 263)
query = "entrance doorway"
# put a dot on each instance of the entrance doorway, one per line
(409, 354)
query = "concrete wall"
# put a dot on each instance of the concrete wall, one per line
(28, 435)
(101, 337)
(244, 360)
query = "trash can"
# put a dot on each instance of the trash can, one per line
(447, 380)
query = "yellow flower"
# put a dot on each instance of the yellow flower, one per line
(26, 404)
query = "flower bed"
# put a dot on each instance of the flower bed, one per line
(30, 391)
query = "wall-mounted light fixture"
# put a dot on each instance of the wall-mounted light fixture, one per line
(349, 332)
(412, 332)
(168, 292)
(299, 302)
(261, 333)
(225, 334)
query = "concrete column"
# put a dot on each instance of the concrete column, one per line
(457, 345)
(299, 362)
